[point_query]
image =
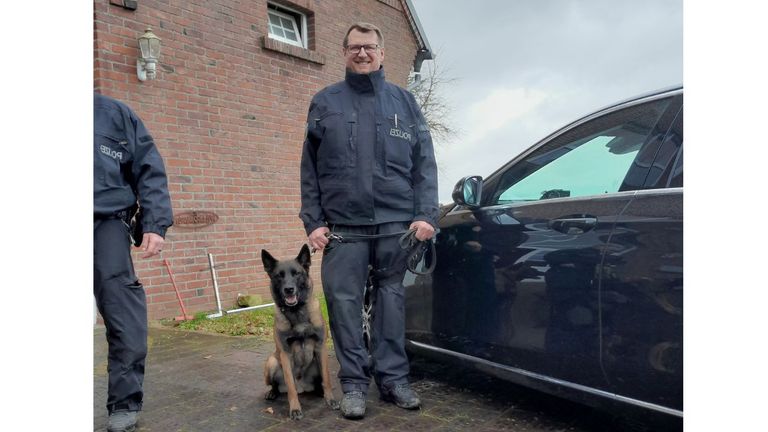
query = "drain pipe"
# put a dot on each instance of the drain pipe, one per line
(249, 308)
(215, 288)
(220, 312)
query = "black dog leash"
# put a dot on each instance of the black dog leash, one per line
(417, 249)
(352, 237)
(408, 242)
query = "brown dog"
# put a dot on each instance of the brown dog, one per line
(300, 334)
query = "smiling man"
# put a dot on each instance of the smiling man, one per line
(367, 168)
(363, 50)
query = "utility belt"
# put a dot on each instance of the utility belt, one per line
(131, 218)
(122, 214)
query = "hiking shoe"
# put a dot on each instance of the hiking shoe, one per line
(353, 405)
(122, 421)
(401, 395)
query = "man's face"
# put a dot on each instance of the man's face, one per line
(365, 61)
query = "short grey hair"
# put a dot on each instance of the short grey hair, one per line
(364, 27)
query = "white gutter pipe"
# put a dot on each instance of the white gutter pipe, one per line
(215, 288)
(220, 312)
(248, 308)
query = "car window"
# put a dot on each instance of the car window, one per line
(676, 178)
(666, 168)
(591, 159)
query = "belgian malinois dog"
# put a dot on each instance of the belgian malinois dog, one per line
(300, 361)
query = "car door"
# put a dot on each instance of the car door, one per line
(642, 286)
(517, 278)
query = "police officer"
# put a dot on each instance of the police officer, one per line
(127, 170)
(368, 167)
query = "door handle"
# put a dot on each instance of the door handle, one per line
(573, 225)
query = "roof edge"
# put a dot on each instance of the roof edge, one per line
(423, 50)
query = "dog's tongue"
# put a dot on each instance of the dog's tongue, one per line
(291, 300)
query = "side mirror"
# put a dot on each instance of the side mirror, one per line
(467, 192)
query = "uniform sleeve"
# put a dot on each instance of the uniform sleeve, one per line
(424, 171)
(150, 180)
(311, 213)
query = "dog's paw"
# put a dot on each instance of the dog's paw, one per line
(333, 403)
(271, 395)
(297, 414)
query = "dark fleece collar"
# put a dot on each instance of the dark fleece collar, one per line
(366, 83)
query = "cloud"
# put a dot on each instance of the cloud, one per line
(500, 107)
(525, 69)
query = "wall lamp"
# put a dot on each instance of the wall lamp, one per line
(146, 65)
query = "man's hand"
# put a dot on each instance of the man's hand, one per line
(424, 231)
(317, 239)
(152, 244)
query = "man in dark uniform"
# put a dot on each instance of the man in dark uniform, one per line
(127, 169)
(368, 167)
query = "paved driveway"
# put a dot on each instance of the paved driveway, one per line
(203, 382)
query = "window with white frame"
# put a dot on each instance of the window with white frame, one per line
(287, 25)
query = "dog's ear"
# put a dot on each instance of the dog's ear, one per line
(304, 257)
(268, 260)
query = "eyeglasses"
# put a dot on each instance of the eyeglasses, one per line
(355, 49)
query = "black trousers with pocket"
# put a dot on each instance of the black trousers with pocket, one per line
(122, 303)
(344, 275)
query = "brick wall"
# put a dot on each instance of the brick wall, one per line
(227, 111)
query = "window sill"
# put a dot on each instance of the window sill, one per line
(292, 50)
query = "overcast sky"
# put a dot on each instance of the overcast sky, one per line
(525, 68)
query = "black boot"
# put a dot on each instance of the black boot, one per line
(122, 421)
(401, 395)
(353, 405)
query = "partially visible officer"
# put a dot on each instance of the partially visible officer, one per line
(368, 167)
(127, 170)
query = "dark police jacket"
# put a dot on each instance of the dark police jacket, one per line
(367, 157)
(127, 166)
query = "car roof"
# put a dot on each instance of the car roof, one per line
(670, 89)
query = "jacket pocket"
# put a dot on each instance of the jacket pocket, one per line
(334, 197)
(110, 154)
(333, 150)
(399, 139)
(396, 194)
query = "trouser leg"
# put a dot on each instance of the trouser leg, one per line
(388, 327)
(122, 303)
(344, 272)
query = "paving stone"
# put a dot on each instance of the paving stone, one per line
(203, 382)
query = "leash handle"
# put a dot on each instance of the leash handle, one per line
(416, 251)
(408, 239)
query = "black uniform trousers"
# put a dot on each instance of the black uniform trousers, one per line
(122, 303)
(344, 275)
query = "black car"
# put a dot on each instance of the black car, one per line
(563, 270)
